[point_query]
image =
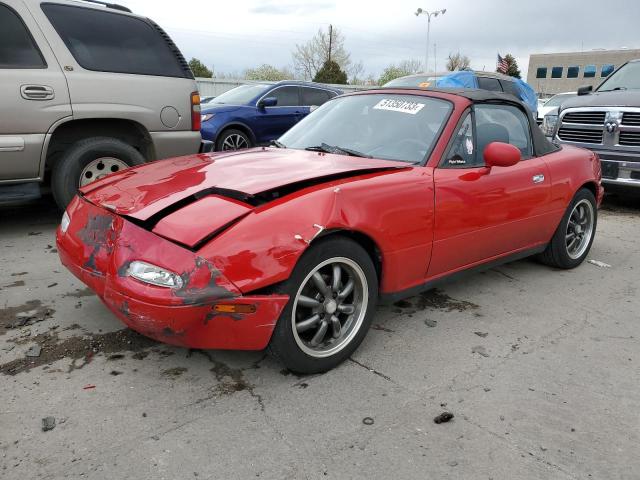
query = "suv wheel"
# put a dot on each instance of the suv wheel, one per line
(89, 160)
(233, 140)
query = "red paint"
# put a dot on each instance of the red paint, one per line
(498, 154)
(424, 222)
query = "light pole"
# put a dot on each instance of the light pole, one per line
(434, 14)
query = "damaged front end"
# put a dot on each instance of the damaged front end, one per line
(160, 288)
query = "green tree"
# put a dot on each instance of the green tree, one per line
(404, 68)
(330, 72)
(512, 66)
(268, 72)
(199, 69)
(309, 58)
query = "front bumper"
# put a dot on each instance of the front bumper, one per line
(97, 248)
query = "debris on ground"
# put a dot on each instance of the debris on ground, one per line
(34, 351)
(88, 387)
(430, 323)
(368, 421)
(480, 350)
(48, 423)
(482, 334)
(116, 372)
(598, 263)
(444, 417)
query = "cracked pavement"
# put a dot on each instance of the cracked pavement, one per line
(540, 367)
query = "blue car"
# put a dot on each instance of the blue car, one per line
(256, 114)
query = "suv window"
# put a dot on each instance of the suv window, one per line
(287, 96)
(314, 96)
(462, 152)
(113, 42)
(502, 123)
(492, 84)
(511, 87)
(17, 48)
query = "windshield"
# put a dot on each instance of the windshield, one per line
(385, 126)
(626, 78)
(241, 95)
(556, 100)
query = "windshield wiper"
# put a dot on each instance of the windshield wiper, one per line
(323, 147)
(277, 144)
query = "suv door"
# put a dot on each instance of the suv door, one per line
(33, 93)
(482, 213)
(312, 98)
(275, 121)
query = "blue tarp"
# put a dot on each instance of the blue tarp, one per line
(468, 79)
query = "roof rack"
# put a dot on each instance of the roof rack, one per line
(115, 6)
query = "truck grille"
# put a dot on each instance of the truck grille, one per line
(588, 118)
(631, 139)
(631, 119)
(580, 135)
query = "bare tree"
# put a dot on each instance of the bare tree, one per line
(457, 61)
(356, 73)
(410, 66)
(309, 58)
(268, 72)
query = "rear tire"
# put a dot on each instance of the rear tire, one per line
(233, 139)
(574, 236)
(77, 162)
(329, 311)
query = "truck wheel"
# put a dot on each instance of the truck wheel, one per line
(233, 139)
(89, 160)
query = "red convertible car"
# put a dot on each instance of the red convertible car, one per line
(375, 196)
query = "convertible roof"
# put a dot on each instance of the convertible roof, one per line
(541, 145)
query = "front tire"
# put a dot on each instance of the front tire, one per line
(233, 139)
(333, 294)
(89, 160)
(574, 236)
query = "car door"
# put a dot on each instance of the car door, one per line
(312, 98)
(484, 213)
(33, 93)
(276, 120)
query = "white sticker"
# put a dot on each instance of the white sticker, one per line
(399, 106)
(468, 142)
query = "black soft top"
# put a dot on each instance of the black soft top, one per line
(541, 146)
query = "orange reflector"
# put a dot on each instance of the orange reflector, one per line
(234, 308)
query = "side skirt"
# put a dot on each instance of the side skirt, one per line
(389, 298)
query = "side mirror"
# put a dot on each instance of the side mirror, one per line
(268, 102)
(585, 90)
(498, 154)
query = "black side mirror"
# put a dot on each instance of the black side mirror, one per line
(268, 102)
(585, 90)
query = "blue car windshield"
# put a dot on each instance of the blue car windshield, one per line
(241, 95)
(390, 127)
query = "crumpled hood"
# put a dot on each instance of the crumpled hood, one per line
(142, 192)
(617, 98)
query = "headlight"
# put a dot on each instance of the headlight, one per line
(147, 273)
(64, 223)
(206, 116)
(549, 125)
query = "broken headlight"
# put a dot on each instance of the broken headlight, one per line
(147, 273)
(64, 223)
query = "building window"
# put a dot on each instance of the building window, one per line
(556, 72)
(572, 72)
(589, 71)
(606, 70)
(541, 72)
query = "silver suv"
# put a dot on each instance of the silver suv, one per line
(86, 89)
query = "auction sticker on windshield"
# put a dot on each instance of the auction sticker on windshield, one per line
(403, 106)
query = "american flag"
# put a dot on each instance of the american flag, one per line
(502, 65)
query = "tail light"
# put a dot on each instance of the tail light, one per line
(196, 121)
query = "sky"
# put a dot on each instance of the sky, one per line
(232, 36)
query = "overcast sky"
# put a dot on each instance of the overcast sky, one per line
(238, 34)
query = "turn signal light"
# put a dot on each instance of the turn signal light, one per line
(234, 308)
(196, 121)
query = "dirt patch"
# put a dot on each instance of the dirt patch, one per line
(18, 274)
(23, 315)
(80, 292)
(78, 347)
(17, 283)
(173, 372)
(434, 299)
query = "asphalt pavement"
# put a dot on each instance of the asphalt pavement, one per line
(539, 367)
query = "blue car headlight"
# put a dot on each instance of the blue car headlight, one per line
(206, 116)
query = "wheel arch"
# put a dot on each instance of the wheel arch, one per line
(591, 186)
(235, 125)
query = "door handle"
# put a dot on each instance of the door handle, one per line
(37, 92)
(539, 178)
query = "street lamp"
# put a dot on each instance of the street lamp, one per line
(434, 14)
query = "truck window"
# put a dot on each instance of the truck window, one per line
(113, 42)
(17, 48)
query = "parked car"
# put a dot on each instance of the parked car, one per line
(606, 121)
(258, 113)
(87, 89)
(552, 104)
(376, 195)
(492, 81)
